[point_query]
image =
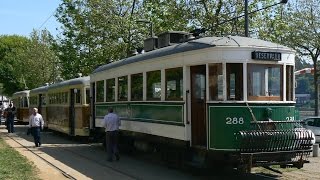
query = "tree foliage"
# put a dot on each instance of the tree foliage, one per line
(26, 63)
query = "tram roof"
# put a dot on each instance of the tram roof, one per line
(77, 81)
(19, 93)
(206, 42)
(39, 89)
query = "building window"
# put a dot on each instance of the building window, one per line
(154, 85)
(123, 88)
(174, 84)
(110, 90)
(264, 82)
(100, 91)
(137, 87)
(87, 96)
(234, 81)
(215, 82)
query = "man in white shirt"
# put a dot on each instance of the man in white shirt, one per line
(112, 123)
(36, 122)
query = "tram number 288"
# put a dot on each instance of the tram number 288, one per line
(234, 120)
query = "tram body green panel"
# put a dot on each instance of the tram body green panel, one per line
(225, 121)
(169, 113)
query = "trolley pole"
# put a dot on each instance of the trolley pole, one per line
(246, 19)
(246, 14)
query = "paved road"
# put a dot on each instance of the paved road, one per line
(88, 161)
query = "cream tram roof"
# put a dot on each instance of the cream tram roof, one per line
(39, 90)
(21, 93)
(72, 82)
(206, 42)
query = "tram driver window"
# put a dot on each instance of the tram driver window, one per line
(264, 82)
(154, 85)
(289, 85)
(215, 82)
(234, 81)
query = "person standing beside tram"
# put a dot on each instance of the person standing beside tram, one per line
(36, 123)
(111, 124)
(9, 114)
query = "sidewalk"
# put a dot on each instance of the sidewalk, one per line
(45, 170)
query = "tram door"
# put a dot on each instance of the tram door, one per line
(198, 105)
(72, 113)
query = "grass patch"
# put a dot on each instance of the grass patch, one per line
(15, 166)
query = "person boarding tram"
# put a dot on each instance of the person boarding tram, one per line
(35, 123)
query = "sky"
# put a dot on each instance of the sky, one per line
(20, 17)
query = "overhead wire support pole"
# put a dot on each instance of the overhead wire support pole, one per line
(246, 15)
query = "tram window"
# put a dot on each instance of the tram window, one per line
(110, 90)
(137, 87)
(289, 83)
(100, 91)
(264, 82)
(123, 88)
(154, 85)
(234, 81)
(174, 84)
(87, 96)
(25, 102)
(78, 96)
(43, 99)
(215, 82)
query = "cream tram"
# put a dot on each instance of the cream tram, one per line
(230, 98)
(38, 99)
(21, 102)
(68, 108)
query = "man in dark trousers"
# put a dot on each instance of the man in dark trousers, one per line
(10, 112)
(36, 123)
(112, 123)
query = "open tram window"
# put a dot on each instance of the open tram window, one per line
(110, 90)
(234, 81)
(215, 82)
(137, 87)
(123, 88)
(289, 83)
(100, 91)
(174, 84)
(154, 85)
(264, 82)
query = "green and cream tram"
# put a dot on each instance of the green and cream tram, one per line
(38, 99)
(68, 108)
(21, 102)
(232, 98)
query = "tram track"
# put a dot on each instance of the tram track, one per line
(65, 173)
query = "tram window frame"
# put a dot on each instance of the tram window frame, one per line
(123, 88)
(137, 87)
(110, 97)
(152, 82)
(265, 79)
(174, 92)
(289, 82)
(100, 91)
(215, 82)
(234, 76)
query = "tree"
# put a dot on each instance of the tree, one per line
(26, 63)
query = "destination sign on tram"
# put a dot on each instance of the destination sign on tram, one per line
(273, 56)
